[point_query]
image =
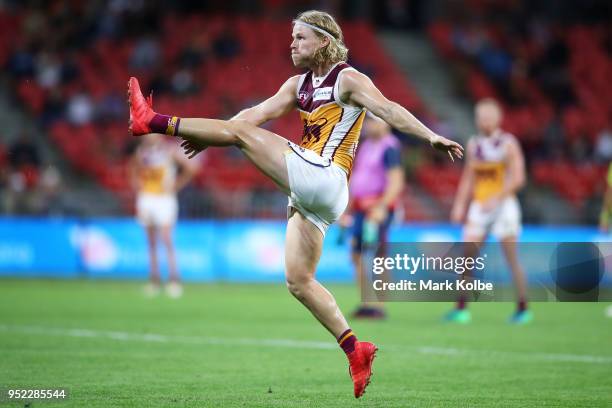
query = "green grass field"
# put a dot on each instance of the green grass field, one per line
(254, 345)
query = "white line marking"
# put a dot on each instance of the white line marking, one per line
(556, 357)
(288, 343)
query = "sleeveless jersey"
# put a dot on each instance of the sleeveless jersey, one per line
(370, 174)
(331, 127)
(490, 164)
(157, 171)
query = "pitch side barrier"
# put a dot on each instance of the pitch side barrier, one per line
(249, 250)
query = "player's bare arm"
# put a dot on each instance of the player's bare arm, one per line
(466, 186)
(359, 90)
(395, 185)
(279, 104)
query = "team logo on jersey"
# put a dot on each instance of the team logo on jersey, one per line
(322, 94)
(302, 96)
(487, 174)
(312, 131)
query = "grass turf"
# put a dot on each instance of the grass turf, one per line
(227, 345)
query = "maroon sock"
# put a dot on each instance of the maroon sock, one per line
(167, 125)
(347, 341)
(522, 305)
(461, 303)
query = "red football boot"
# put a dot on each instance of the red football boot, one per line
(141, 109)
(360, 365)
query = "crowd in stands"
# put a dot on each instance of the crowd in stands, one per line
(550, 67)
(68, 63)
(27, 186)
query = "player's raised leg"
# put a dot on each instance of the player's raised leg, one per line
(303, 247)
(265, 149)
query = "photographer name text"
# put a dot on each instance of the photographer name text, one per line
(431, 285)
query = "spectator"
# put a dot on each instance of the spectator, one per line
(23, 152)
(183, 82)
(551, 72)
(195, 52)
(603, 146)
(49, 187)
(48, 70)
(80, 108)
(110, 108)
(22, 176)
(21, 62)
(54, 107)
(226, 45)
(146, 54)
(70, 68)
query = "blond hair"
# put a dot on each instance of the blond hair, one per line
(333, 52)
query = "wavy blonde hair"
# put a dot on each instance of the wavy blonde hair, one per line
(333, 52)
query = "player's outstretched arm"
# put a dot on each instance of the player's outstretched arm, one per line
(357, 89)
(281, 103)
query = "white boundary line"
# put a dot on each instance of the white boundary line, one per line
(300, 344)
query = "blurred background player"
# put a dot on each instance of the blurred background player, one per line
(494, 172)
(376, 183)
(606, 206)
(159, 171)
(604, 217)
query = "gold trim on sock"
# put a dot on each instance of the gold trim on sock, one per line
(349, 334)
(171, 126)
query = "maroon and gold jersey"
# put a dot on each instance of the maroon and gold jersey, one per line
(490, 157)
(331, 127)
(157, 170)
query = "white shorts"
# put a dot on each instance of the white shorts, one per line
(319, 188)
(502, 222)
(155, 210)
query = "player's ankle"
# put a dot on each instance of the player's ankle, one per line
(164, 124)
(347, 341)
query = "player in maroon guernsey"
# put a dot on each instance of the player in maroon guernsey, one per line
(332, 99)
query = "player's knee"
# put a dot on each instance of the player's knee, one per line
(297, 286)
(242, 131)
(294, 288)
